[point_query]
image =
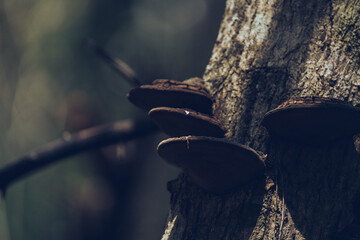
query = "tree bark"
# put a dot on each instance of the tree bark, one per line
(268, 51)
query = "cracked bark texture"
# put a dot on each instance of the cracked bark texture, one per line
(268, 51)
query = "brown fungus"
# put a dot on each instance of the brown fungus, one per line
(182, 122)
(171, 93)
(313, 120)
(214, 164)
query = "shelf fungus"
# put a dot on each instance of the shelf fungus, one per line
(313, 120)
(214, 164)
(182, 122)
(170, 93)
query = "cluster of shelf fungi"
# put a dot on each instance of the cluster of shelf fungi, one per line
(183, 110)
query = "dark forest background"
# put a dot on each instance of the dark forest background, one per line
(51, 84)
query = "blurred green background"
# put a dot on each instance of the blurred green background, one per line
(51, 83)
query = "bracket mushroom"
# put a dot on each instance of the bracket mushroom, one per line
(182, 122)
(171, 93)
(313, 120)
(214, 164)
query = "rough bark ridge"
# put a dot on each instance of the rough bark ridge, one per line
(267, 52)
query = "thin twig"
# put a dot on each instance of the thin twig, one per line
(115, 63)
(72, 144)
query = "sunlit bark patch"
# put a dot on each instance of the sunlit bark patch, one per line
(169, 229)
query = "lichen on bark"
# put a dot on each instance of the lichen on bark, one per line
(295, 55)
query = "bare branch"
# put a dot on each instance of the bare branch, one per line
(72, 144)
(115, 63)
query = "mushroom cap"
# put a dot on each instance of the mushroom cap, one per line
(214, 164)
(170, 93)
(182, 122)
(313, 120)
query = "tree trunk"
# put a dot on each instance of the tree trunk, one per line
(268, 51)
